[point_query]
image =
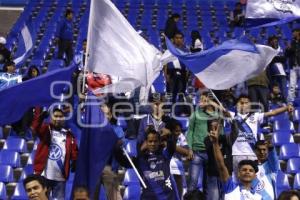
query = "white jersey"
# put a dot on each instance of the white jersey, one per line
(54, 168)
(242, 145)
(176, 165)
(234, 191)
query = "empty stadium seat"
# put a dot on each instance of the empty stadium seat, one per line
(55, 64)
(282, 182)
(15, 144)
(27, 170)
(283, 125)
(282, 137)
(288, 151)
(132, 192)
(6, 174)
(131, 147)
(293, 165)
(296, 185)
(130, 178)
(2, 191)
(31, 158)
(19, 193)
(11, 158)
(122, 122)
(184, 123)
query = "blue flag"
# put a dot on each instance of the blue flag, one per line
(25, 43)
(16, 100)
(96, 146)
(262, 13)
(224, 66)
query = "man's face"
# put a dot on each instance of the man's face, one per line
(177, 131)
(178, 40)
(152, 142)
(58, 119)
(34, 72)
(81, 195)
(70, 16)
(176, 19)
(10, 69)
(274, 43)
(276, 90)
(246, 173)
(35, 191)
(243, 106)
(262, 152)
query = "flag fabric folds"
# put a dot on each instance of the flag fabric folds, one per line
(226, 65)
(16, 100)
(264, 13)
(116, 49)
(96, 146)
(25, 43)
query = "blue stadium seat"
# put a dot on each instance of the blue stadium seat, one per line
(19, 193)
(293, 165)
(122, 122)
(31, 158)
(288, 151)
(283, 125)
(28, 169)
(184, 123)
(15, 144)
(282, 137)
(55, 64)
(2, 191)
(131, 147)
(1, 133)
(132, 192)
(296, 185)
(6, 174)
(11, 158)
(282, 182)
(130, 178)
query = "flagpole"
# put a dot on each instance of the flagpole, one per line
(87, 46)
(134, 168)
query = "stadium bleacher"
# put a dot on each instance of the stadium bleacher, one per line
(210, 17)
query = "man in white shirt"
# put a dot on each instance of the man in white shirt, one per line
(268, 167)
(246, 123)
(247, 169)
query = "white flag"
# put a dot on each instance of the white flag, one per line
(115, 48)
(277, 9)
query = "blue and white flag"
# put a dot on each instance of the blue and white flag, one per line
(224, 66)
(262, 12)
(25, 43)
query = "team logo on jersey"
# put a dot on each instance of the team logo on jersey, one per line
(152, 165)
(55, 152)
(168, 183)
(260, 186)
(284, 6)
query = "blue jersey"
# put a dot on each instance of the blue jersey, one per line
(155, 171)
(265, 182)
(235, 191)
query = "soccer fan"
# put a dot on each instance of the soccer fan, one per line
(35, 187)
(153, 163)
(171, 25)
(56, 153)
(268, 166)
(245, 131)
(247, 170)
(64, 37)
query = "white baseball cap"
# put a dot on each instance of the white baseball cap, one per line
(2, 40)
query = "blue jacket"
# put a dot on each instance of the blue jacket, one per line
(65, 30)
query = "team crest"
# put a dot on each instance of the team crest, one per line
(284, 6)
(260, 186)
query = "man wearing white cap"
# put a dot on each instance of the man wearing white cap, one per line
(5, 55)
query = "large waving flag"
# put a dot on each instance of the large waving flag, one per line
(40, 91)
(226, 65)
(96, 145)
(25, 43)
(260, 13)
(116, 49)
